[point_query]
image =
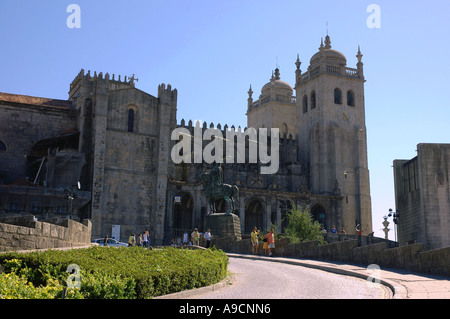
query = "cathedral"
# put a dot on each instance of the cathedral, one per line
(105, 154)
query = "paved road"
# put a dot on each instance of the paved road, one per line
(254, 279)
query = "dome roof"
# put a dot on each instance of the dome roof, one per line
(277, 84)
(327, 53)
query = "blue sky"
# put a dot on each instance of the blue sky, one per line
(211, 51)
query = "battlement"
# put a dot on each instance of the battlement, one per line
(285, 139)
(113, 83)
(166, 94)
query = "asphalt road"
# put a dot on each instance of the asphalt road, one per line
(255, 279)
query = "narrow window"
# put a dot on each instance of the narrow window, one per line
(337, 96)
(305, 104)
(130, 120)
(350, 98)
(313, 100)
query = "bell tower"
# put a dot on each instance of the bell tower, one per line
(331, 133)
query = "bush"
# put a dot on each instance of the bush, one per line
(107, 272)
(301, 226)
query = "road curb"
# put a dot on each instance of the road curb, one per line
(229, 280)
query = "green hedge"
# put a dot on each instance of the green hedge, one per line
(108, 272)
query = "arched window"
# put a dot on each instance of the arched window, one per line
(130, 120)
(305, 103)
(337, 96)
(313, 100)
(2, 146)
(350, 98)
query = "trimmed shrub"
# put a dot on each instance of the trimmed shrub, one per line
(107, 272)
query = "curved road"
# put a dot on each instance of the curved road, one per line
(254, 279)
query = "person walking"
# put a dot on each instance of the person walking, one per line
(185, 238)
(195, 237)
(207, 236)
(145, 239)
(270, 241)
(254, 239)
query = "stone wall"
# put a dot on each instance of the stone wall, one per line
(24, 233)
(22, 125)
(411, 257)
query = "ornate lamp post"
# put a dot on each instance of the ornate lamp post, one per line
(395, 216)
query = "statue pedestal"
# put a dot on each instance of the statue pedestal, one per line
(224, 225)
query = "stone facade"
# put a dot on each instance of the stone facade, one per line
(422, 196)
(117, 140)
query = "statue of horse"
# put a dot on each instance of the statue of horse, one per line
(214, 191)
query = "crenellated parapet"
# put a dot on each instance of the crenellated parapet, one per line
(111, 82)
(285, 139)
(166, 95)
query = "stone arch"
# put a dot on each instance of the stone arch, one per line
(254, 214)
(319, 213)
(337, 96)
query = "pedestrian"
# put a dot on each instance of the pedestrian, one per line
(105, 241)
(185, 238)
(141, 240)
(195, 237)
(333, 229)
(145, 239)
(131, 240)
(270, 241)
(343, 231)
(207, 236)
(254, 238)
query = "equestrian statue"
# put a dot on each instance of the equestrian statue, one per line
(215, 189)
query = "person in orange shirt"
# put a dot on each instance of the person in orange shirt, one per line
(270, 241)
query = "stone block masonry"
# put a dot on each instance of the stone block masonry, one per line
(25, 233)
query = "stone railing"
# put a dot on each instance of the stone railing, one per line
(329, 69)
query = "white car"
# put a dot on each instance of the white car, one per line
(111, 242)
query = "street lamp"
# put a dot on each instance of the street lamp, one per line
(395, 216)
(70, 195)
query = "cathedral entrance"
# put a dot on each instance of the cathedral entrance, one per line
(182, 214)
(319, 213)
(254, 213)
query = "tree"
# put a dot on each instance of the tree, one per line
(301, 226)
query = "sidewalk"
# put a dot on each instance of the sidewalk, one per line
(404, 284)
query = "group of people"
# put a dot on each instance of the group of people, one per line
(143, 240)
(268, 242)
(194, 238)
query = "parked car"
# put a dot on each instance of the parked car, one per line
(111, 242)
